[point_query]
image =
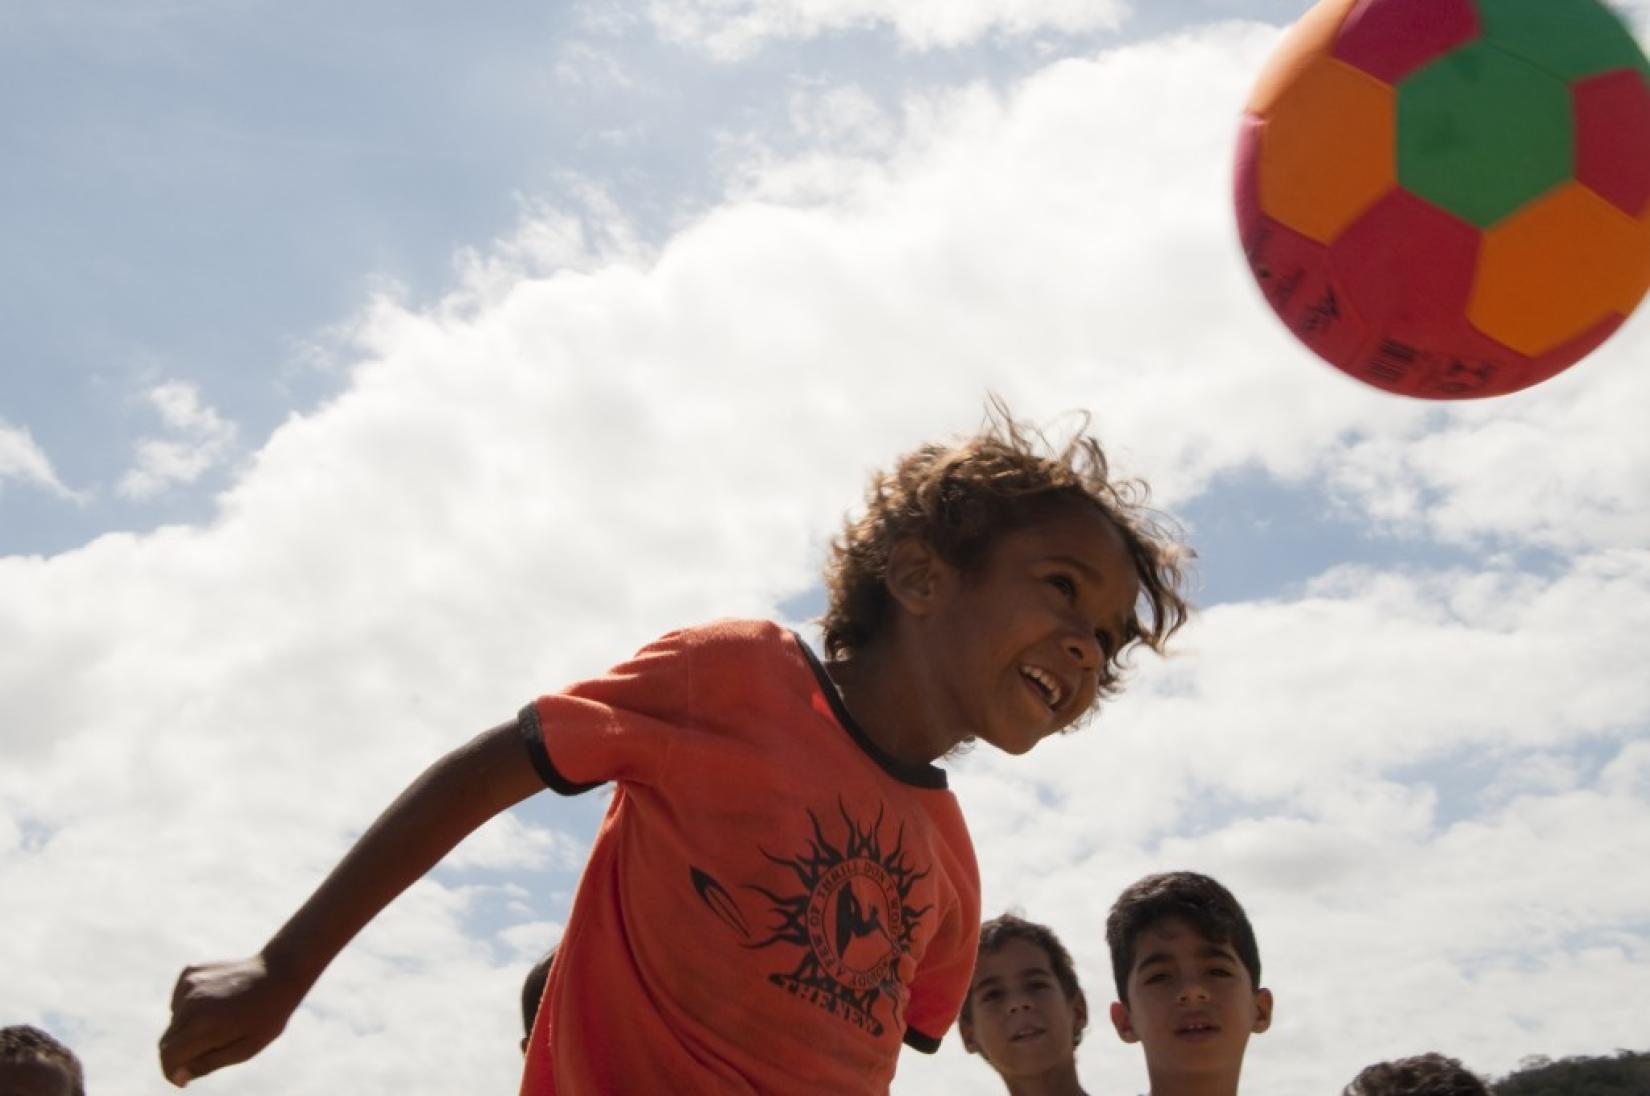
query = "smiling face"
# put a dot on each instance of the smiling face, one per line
(1025, 634)
(1020, 1019)
(1191, 1006)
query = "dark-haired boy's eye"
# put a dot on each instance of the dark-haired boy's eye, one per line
(1064, 584)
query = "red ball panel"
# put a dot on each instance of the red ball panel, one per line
(1612, 113)
(1409, 265)
(1462, 364)
(1392, 38)
(1291, 269)
(1480, 366)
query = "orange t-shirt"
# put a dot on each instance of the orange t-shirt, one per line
(772, 904)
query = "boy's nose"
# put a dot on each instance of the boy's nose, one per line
(1194, 992)
(1083, 647)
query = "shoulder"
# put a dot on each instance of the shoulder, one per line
(729, 648)
(732, 639)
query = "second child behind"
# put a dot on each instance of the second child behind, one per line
(783, 890)
(1025, 1012)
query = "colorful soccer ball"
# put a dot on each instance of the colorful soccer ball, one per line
(1450, 198)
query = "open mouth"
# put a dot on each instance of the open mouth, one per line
(1196, 1027)
(1025, 1033)
(1045, 684)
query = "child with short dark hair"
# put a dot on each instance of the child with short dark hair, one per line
(1025, 1011)
(1187, 969)
(32, 1063)
(783, 890)
(1422, 1075)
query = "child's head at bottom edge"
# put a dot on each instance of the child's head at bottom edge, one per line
(1421, 1075)
(32, 1063)
(1025, 1012)
(532, 993)
(1187, 971)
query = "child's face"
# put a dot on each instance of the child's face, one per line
(34, 1079)
(1025, 634)
(1022, 1022)
(1191, 1005)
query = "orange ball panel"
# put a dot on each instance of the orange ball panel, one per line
(1312, 36)
(1293, 272)
(1329, 149)
(1558, 267)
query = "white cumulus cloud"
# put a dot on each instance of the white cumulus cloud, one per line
(730, 29)
(23, 461)
(1428, 782)
(198, 438)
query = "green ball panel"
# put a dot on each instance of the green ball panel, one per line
(1481, 132)
(1569, 38)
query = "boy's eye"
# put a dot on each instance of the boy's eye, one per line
(1064, 584)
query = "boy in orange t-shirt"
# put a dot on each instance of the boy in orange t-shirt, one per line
(783, 891)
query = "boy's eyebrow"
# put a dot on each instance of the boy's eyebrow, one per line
(1207, 951)
(993, 979)
(1088, 569)
(1151, 958)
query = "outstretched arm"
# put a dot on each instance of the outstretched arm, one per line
(226, 1012)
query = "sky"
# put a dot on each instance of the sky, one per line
(372, 370)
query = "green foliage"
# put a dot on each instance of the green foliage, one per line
(1627, 1073)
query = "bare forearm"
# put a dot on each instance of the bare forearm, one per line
(448, 801)
(227, 1011)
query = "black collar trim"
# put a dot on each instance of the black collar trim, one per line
(918, 775)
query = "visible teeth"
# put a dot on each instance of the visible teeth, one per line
(1046, 682)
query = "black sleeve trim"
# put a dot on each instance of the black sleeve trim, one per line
(528, 724)
(916, 1040)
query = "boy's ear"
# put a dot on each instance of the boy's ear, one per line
(917, 576)
(1124, 1024)
(1263, 1010)
(1079, 1017)
(965, 1029)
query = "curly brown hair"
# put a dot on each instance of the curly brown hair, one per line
(960, 499)
(1422, 1075)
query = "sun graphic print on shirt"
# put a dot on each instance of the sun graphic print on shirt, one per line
(849, 920)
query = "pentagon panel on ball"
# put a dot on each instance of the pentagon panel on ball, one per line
(1449, 198)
